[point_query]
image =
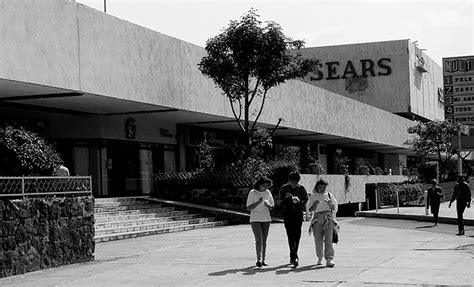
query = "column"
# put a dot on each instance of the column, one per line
(146, 170)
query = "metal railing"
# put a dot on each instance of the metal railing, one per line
(393, 199)
(45, 185)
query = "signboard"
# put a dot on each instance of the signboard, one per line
(458, 79)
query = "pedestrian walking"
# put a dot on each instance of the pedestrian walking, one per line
(435, 193)
(322, 206)
(462, 195)
(294, 198)
(260, 202)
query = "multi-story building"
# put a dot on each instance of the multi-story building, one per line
(122, 102)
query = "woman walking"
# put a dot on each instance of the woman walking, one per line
(323, 207)
(434, 199)
(260, 202)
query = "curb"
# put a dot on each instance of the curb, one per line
(426, 218)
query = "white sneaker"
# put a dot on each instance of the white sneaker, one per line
(329, 263)
(320, 261)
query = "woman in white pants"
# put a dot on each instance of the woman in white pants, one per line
(323, 207)
(260, 202)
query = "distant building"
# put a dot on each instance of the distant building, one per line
(395, 76)
(123, 102)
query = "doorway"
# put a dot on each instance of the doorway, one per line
(123, 169)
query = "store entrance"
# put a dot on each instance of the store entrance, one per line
(123, 169)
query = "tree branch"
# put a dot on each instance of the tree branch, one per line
(260, 111)
(269, 134)
(237, 118)
(254, 90)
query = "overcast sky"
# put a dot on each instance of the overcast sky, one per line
(443, 28)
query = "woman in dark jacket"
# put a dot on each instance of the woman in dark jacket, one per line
(434, 199)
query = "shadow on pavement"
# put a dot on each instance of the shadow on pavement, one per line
(301, 269)
(251, 270)
(425, 226)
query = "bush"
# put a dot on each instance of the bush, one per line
(409, 193)
(24, 153)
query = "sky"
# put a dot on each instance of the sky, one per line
(443, 28)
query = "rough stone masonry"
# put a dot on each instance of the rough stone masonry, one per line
(37, 233)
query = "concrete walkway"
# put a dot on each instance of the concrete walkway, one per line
(446, 215)
(224, 256)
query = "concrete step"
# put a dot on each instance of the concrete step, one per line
(111, 208)
(151, 226)
(121, 203)
(125, 235)
(135, 211)
(143, 221)
(128, 217)
(120, 217)
(120, 199)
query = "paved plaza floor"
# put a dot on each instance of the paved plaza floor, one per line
(446, 214)
(371, 252)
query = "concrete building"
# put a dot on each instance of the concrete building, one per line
(122, 102)
(395, 76)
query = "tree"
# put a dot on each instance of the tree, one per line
(24, 153)
(245, 61)
(435, 138)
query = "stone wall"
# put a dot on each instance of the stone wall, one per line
(38, 233)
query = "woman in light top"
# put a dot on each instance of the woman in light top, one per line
(260, 202)
(323, 207)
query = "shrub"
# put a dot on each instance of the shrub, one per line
(409, 193)
(24, 153)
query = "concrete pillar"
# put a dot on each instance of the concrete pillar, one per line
(146, 170)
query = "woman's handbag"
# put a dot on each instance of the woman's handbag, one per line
(335, 236)
(335, 230)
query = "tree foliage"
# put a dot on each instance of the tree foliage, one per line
(24, 153)
(262, 161)
(434, 137)
(248, 59)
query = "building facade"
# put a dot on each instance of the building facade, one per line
(122, 102)
(395, 76)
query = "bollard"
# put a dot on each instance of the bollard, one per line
(398, 203)
(376, 201)
(425, 195)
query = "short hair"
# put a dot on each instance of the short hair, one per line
(294, 176)
(321, 182)
(261, 180)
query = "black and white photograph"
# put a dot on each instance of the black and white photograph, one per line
(236, 143)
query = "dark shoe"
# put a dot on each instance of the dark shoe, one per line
(295, 262)
(264, 264)
(259, 264)
(460, 233)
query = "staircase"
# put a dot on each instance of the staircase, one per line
(129, 217)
